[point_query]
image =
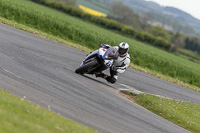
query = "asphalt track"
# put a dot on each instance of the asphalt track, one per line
(42, 71)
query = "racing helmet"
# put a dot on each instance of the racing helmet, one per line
(123, 48)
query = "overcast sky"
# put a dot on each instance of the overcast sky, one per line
(190, 6)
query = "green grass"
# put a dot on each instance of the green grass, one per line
(19, 116)
(190, 55)
(184, 114)
(88, 35)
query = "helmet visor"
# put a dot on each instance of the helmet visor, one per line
(122, 51)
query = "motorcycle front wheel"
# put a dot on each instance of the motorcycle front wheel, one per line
(84, 69)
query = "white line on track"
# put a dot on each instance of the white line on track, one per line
(130, 89)
(12, 73)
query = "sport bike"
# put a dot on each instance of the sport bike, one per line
(98, 61)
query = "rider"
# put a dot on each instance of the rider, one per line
(120, 64)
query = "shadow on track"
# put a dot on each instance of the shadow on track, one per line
(96, 80)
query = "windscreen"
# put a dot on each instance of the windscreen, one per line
(112, 53)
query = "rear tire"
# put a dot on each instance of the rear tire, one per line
(83, 69)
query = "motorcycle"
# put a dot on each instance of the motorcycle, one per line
(98, 61)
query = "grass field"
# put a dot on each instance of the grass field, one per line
(19, 116)
(184, 114)
(88, 34)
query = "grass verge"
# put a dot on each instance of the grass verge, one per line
(184, 114)
(18, 115)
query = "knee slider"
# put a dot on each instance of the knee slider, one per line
(111, 79)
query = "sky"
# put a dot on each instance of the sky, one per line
(189, 6)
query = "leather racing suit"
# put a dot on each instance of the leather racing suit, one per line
(119, 65)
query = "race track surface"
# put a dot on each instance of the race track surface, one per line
(43, 71)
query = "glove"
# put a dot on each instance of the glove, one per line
(113, 67)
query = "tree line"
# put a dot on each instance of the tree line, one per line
(122, 19)
(125, 15)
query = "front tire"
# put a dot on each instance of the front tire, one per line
(83, 69)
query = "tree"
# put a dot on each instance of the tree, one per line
(178, 39)
(159, 31)
(192, 43)
(124, 15)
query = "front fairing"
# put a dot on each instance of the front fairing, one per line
(91, 55)
(108, 56)
(105, 56)
(108, 63)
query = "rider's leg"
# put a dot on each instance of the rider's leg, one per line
(113, 76)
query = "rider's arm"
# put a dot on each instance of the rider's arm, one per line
(123, 67)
